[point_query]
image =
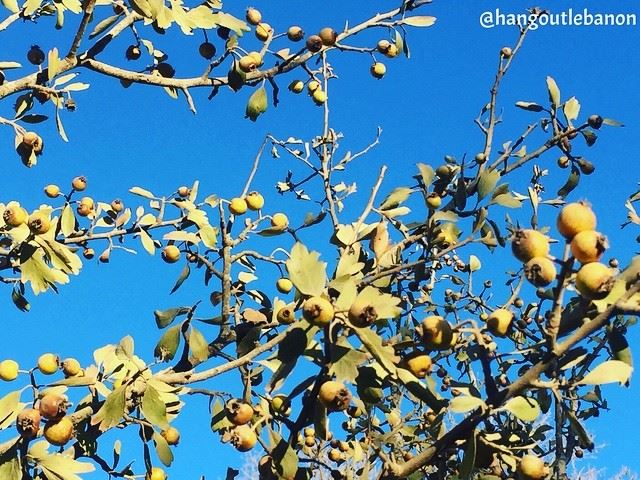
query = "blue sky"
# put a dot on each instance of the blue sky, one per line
(425, 106)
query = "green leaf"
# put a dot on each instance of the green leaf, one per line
(571, 183)
(147, 242)
(167, 346)
(529, 106)
(395, 198)
(306, 271)
(419, 21)
(58, 466)
(523, 408)
(426, 173)
(10, 467)
(610, 371)
(165, 317)
(507, 200)
(9, 408)
(42, 277)
(345, 360)
(571, 109)
(12, 6)
(162, 449)
(153, 408)
(554, 92)
(229, 21)
(198, 345)
(284, 457)
(111, 411)
(257, 104)
(184, 274)
(209, 236)
(465, 403)
(142, 192)
(103, 25)
(487, 182)
(469, 459)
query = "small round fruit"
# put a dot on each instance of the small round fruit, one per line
(238, 412)
(156, 473)
(133, 52)
(184, 191)
(166, 70)
(295, 33)
(328, 36)
(480, 158)
(531, 468)
(499, 322)
(71, 367)
(88, 253)
(312, 86)
(28, 423)
(286, 316)
(563, 161)
(284, 285)
(434, 201)
(35, 55)
(32, 142)
(378, 70)
(334, 395)
(506, 52)
(297, 86)
(48, 363)
(170, 254)
(392, 51)
(437, 333)
(279, 221)
(117, 205)
(527, 244)
(253, 16)
(595, 121)
(383, 46)
(39, 224)
(255, 201)
(79, 183)
(52, 191)
(319, 96)
(263, 31)
(540, 271)
(419, 364)
(60, 432)
(14, 216)
(334, 455)
(9, 370)
(247, 63)
(314, 43)
(281, 404)
(238, 206)
(244, 438)
(310, 441)
(84, 209)
(318, 311)
(594, 280)
(171, 435)
(207, 50)
(575, 218)
(362, 314)
(588, 246)
(52, 405)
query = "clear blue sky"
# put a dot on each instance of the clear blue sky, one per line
(426, 106)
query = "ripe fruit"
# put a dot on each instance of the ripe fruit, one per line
(171, 435)
(281, 404)
(594, 280)
(52, 405)
(39, 224)
(238, 206)
(156, 473)
(334, 395)
(263, 31)
(285, 316)
(255, 201)
(334, 455)
(318, 311)
(437, 333)
(184, 191)
(499, 322)
(319, 96)
(52, 191)
(284, 285)
(253, 16)
(166, 70)
(595, 121)
(314, 43)
(14, 216)
(563, 161)
(312, 86)
(506, 52)
(527, 244)
(239, 412)
(170, 254)
(35, 55)
(31, 141)
(361, 314)
(296, 86)
(383, 46)
(79, 183)
(248, 63)
(419, 364)
(540, 271)
(207, 50)
(279, 221)
(434, 201)
(531, 468)
(588, 246)
(133, 52)
(378, 70)
(117, 205)
(71, 367)
(328, 36)
(48, 363)
(9, 370)
(60, 432)
(392, 51)
(244, 438)
(295, 33)
(88, 253)
(575, 218)
(28, 423)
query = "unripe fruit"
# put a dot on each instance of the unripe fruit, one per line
(71, 367)
(171, 435)
(295, 33)
(319, 96)
(309, 441)
(284, 285)
(480, 158)
(244, 438)
(39, 224)
(15, 216)
(133, 52)
(117, 205)
(207, 50)
(594, 280)
(48, 363)
(312, 86)
(35, 55)
(588, 246)
(253, 16)
(31, 141)
(166, 70)
(318, 311)
(255, 201)
(238, 412)
(52, 405)
(383, 46)
(392, 51)
(595, 121)
(328, 36)
(527, 244)
(263, 31)
(499, 322)
(362, 314)
(334, 455)
(52, 191)
(280, 404)
(184, 191)
(309, 432)
(434, 201)
(9, 370)
(79, 183)
(378, 70)
(88, 253)
(238, 206)
(540, 271)
(296, 86)
(85, 207)
(156, 473)
(314, 43)
(419, 364)
(60, 432)
(506, 52)
(334, 395)
(170, 254)
(279, 221)
(575, 218)
(28, 423)
(248, 63)
(437, 333)
(563, 161)
(531, 468)
(285, 316)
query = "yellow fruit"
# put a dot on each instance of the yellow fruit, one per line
(362, 314)
(170, 254)
(318, 311)
(281, 404)
(39, 224)
(279, 221)
(499, 322)
(253, 16)
(14, 216)
(383, 46)
(31, 142)
(575, 218)
(588, 246)
(238, 206)
(506, 52)
(296, 86)
(71, 367)
(239, 412)
(594, 280)
(171, 435)
(117, 205)
(52, 405)
(255, 201)
(247, 63)
(310, 441)
(437, 333)
(334, 395)
(284, 285)
(244, 438)
(319, 96)
(328, 36)
(334, 455)
(263, 31)
(184, 191)
(60, 432)
(312, 86)
(531, 468)
(527, 244)
(156, 473)
(285, 316)
(52, 191)
(392, 51)
(9, 370)
(419, 364)
(434, 201)
(540, 271)
(28, 423)
(79, 183)
(295, 33)
(48, 363)
(378, 70)
(85, 207)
